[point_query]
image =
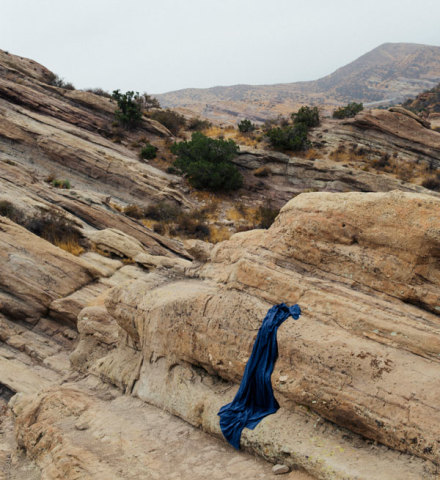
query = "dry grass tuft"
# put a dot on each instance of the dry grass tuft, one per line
(134, 211)
(263, 171)
(70, 246)
(248, 139)
(219, 234)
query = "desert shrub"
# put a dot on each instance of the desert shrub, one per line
(279, 121)
(289, 138)
(172, 120)
(269, 124)
(99, 91)
(162, 211)
(190, 225)
(207, 163)
(172, 170)
(350, 110)
(198, 125)
(61, 183)
(55, 228)
(159, 228)
(128, 114)
(147, 102)
(265, 215)
(57, 81)
(246, 126)
(148, 152)
(7, 209)
(134, 211)
(262, 171)
(308, 116)
(382, 162)
(432, 183)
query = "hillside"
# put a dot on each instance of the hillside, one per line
(390, 73)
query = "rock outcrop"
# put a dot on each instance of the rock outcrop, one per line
(49, 133)
(290, 175)
(34, 273)
(365, 269)
(401, 130)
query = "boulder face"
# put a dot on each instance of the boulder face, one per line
(406, 127)
(34, 273)
(365, 269)
(396, 132)
(356, 377)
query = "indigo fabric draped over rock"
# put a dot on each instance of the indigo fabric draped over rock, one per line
(254, 399)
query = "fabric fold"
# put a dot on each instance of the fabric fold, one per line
(255, 399)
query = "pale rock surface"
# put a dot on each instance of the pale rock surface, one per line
(280, 469)
(115, 242)
(78, 433)
(364, 268)
(154, 261)
(198, 249)
(34, 273)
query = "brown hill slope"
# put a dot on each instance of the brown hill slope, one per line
(391, 72)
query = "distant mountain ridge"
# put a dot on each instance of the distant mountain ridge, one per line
(389, 73)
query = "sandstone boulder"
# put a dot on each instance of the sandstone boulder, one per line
(365, 270)
(34, 273)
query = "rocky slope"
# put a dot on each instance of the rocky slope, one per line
(427, 104)
(391, 72)
(101, 350)
(377, 151)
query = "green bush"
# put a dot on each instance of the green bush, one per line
(128, 114)
(148, 152)
(61, 183)
(172, 120)
(246, 126)
(289, 138)
(350, 110)
(207, 163)
(307, 116)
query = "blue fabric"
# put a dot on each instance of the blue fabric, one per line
(254, 399)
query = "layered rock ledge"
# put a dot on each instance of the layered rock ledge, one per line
(361, 365)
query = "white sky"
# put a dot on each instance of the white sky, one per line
(162, 45)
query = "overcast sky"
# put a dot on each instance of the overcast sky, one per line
(162, 45)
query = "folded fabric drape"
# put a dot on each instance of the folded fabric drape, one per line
(254, 399)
